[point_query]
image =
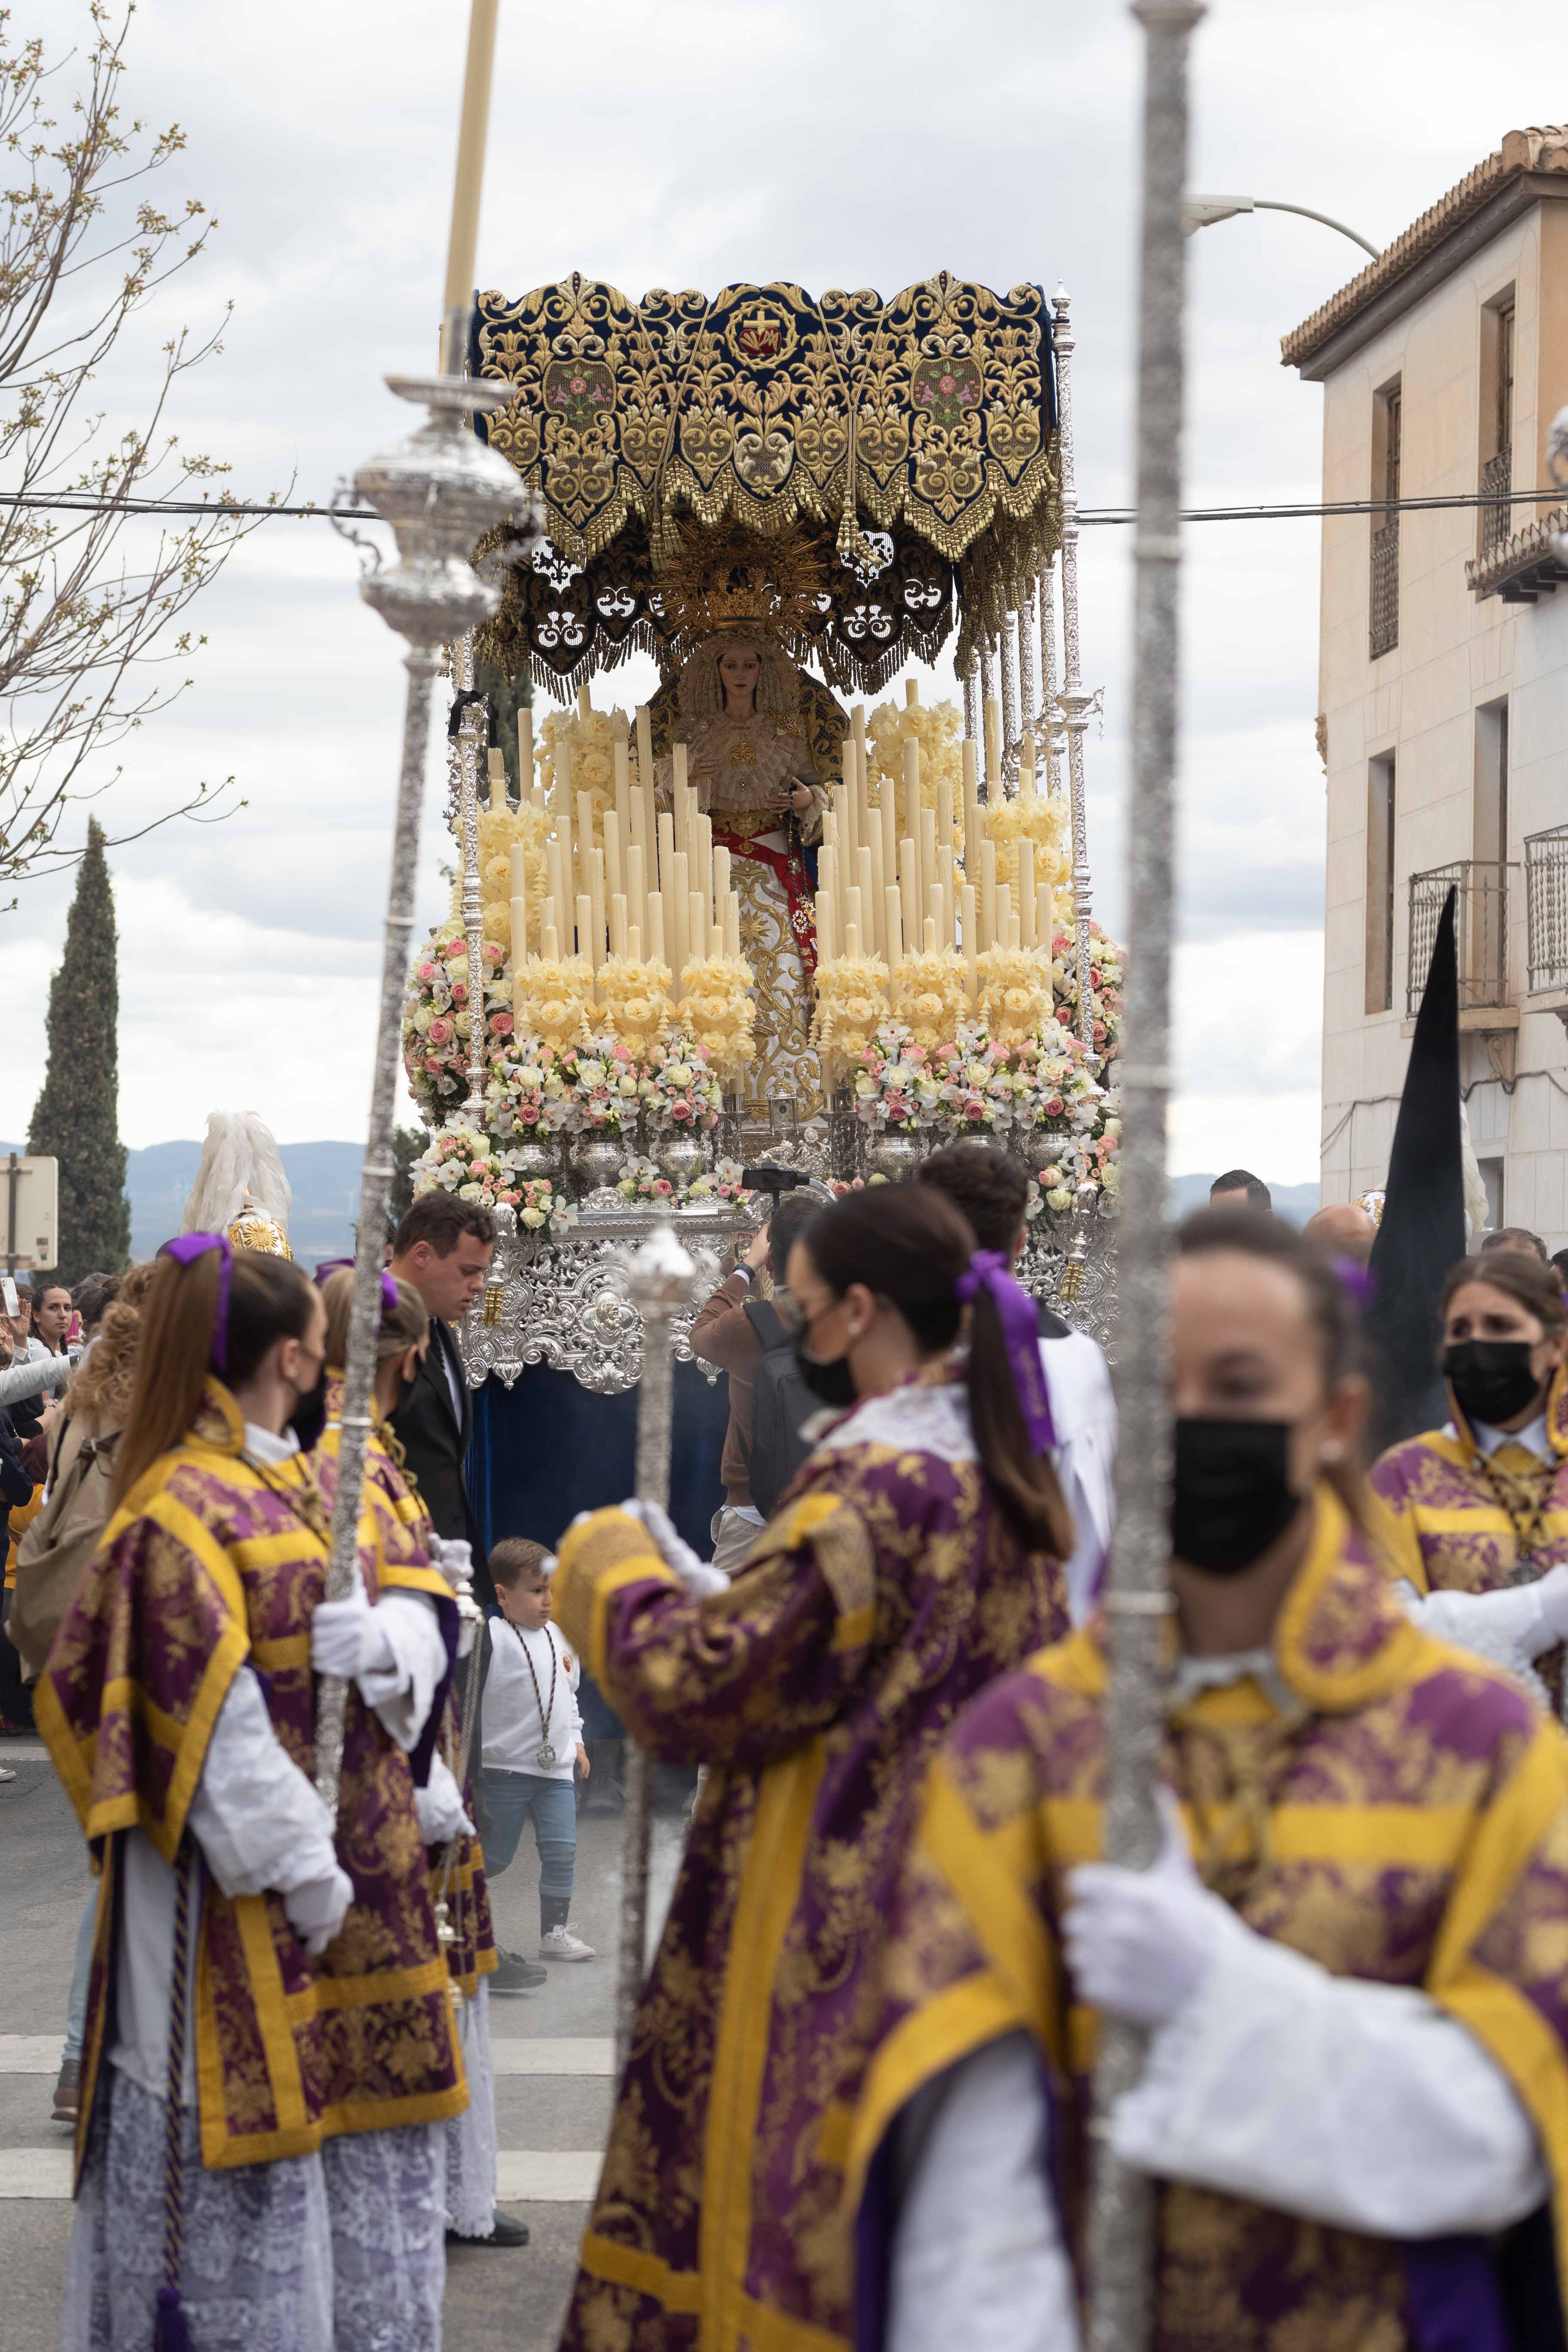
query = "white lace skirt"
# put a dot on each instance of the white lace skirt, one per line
(471, 2136)
(344, 2252)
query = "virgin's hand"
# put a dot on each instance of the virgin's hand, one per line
(1140, 1942)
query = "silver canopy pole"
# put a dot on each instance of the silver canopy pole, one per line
(439, 490)
(660, 1280)
(1121, 2220)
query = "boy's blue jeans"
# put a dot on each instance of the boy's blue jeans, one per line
(506, 1801)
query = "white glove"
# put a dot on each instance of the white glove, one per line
(1140, 1942)
(453, 1556)
(1508, 1627)
(699, 1579)
(1552, 1591)
(318, 1909)
(346, 1639)
(439, 1806)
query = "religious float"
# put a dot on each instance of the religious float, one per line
(755, 922)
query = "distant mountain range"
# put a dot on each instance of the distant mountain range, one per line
(325, 1178)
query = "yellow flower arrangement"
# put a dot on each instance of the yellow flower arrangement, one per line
(1042, 821)
(555, 999)
(852, 1006)
(500, 828)
(929, 995)
(637, 1001)
(717, 1007)
(1015, 992)
(937, 727)
(591, 739)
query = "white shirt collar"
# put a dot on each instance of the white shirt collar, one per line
(267, 1445)
(1193, 1676)
(1535, 1439)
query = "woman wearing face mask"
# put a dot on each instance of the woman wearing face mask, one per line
(446, 1811)
(284, 2107)
(1348, 1954)
(1474, 1518)
(913, 1556)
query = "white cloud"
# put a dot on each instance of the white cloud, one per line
(688, 144)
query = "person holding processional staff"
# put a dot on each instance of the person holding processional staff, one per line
(1348, 1952)
(913, 1556)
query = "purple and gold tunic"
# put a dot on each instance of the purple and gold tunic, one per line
(887, 1590)
(474, 1953)
(1449, 1520)
(1405, 1819)
(213, 1563)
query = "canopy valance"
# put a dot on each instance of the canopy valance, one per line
(904, 449)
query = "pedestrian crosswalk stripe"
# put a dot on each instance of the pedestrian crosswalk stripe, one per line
(525, 2175)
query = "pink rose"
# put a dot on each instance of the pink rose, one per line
(460, 992)
(492, 953)
(476, 1168)
(500, 1024)
(441, 1031)
(1054, 1106)
(662, 1185)
(426, 972)
(1065, 1017)
(1098, 1028)
(510, 1199)
(680, 1110)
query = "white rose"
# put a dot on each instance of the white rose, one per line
(532, 1219)
(1059, 1197)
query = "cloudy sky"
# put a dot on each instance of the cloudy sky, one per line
(834, 143)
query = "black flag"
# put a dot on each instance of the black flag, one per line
(1423, 1228)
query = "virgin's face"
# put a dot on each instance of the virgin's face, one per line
(739, 671)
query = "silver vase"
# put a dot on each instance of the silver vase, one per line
(895, 1156)
(532, 1160)
(597, 1157)
(680, 1156)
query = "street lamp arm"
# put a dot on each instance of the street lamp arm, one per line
(1202, 212)
(1263, 204)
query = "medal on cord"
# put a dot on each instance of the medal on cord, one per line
(546, 1755)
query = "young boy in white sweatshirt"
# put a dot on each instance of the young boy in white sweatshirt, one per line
(532, 1744)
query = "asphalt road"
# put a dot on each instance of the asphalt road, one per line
(553, 2093)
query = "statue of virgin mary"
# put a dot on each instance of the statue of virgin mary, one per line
(762, 740)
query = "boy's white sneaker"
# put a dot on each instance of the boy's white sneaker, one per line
(561, 1943)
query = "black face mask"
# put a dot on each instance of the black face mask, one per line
(309, 1417)
(833, 1383)
(1231, 1497)
(1492, 1379)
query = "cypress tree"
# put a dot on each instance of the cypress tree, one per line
(76, 1118)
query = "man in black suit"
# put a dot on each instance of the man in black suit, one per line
(443, 1249)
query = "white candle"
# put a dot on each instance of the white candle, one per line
(526, 779)
(645, 747)
(615, 878)
(596, 900)
(656, 932)
(519, 943)
(1026, 891)
(988, 894)
(678, 797)
(519, 902)
(825, 950)
(854, 918)
(585, 928)
(893, 921)
(551, 948)
(665, 849)
(852, 936)
(585, 706)
(970, 812)
(636, 885)
(866, 883)
(585, 838)
(732, 924)
(496, 766)
(1045, 919)
(909, 894)
(622, 789)
(970, 924)
(1005, 917)
(994, 744)
(911, 693)
(1027, 769)
(912, 803)
(680, 919)
(889, 830)
(720, 884)
(697, 926)
(617, 923)
(634, 943)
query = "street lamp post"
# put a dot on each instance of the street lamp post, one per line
(1202, 212)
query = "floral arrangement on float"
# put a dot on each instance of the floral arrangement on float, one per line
(577, 747)
(718, 1011)
(678, 1084)
(459, 1160)
(894, 1083)
(436, 1015)
(644, 1184)
(603, 1084)
(937, 727)
(528, 1095)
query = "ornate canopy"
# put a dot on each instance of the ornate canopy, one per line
(907, 448)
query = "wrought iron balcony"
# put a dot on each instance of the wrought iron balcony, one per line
(1497, 514)
(1385, 632)
(1480, 932)
(1546, 909)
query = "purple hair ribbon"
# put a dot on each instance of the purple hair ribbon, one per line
(1358, 1279)
(1021, 1331)
(341, 1265)
(184, 1251)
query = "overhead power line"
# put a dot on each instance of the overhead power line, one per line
(215, 508)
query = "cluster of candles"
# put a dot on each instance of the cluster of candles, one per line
(651, 885)
(633, 880)
(889, 881)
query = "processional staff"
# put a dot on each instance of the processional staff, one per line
(439, 490)
(1121, 2222)
(661, 1278)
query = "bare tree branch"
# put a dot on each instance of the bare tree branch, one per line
(90, 595)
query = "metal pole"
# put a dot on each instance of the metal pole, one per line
(1028, 650)
(14, 1177)
(989, 783)
(440, 489)
(466, 759)
(972, 720)
(660, 1278)
(1012, 725)
(1050, 711)
(1076, 704)
(1121, 2220)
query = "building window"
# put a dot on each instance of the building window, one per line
(1380, 883)
(1497, 425)
(1387, 430)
